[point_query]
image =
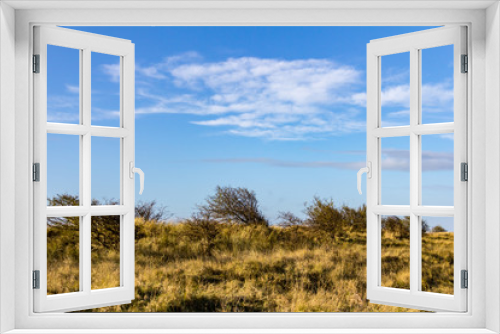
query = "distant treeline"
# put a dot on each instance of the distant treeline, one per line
(230, 206)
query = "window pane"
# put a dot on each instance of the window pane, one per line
(105, 90)
(63, 85)
(437, 84)
(63, 170)
(105, 252)
(395, 252)
(63, 255)
(395, 171)
(437, 169)
(105, 171)
(437, 254)
(395, 94)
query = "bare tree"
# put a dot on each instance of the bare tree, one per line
(288, 219)
(238, 205)
(152, 211)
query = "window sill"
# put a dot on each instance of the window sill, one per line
(250, 331)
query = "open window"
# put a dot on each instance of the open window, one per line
(414, 145)
(72, 139)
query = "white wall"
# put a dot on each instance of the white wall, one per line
(7, 160)
(492, 165)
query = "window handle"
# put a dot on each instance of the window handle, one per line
(368, 171)
(139, 171)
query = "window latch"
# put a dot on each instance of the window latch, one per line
(368, 171)
(132, 171)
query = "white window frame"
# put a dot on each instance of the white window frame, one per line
(483, 98)
(414, 43)
(86, 44)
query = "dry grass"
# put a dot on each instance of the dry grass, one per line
(257, 269)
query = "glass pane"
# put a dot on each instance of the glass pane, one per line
(63, 170)
(437, 254)
(395, 171)
(437, 169)
(437, 84)
(105, 171)
(395, 94)
(395, 252)
(105, 252)
(63, 85)
(63, 255)
(105, 90)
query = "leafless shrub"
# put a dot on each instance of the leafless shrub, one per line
(238, 205)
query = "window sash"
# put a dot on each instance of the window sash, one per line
(86, 298)
(413, 43)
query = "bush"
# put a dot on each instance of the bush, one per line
(394, 224)
(325, 218)
(238, 205)
(438, 228)
(205, 229)
(151, 211)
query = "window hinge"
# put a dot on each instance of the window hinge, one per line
(36, 172)
(465, 64)
(36, 63)
(464, 171)
(465, 279)
(36, 279)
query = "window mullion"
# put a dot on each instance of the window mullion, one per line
(85, 179)
(414, 170)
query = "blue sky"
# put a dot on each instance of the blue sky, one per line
(279, 110)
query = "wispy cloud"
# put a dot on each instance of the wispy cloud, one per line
(273, 99)
(104, 114)
(63, 108)
(113, 70)
(290, 164)
(255, 97)
(396, 159)
(392, 159)
(72, 89)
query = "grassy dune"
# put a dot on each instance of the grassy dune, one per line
(250, 269)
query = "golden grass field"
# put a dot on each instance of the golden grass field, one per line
(251, 269)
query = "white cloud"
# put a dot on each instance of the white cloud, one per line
(396, 96)
(272, 99)
(448, 136)
(290, 164)
(73, 89)
(398, 114)
(63, 108)
(254, 97)
(150, 72)
(113, 70)
(392, 159)
(104, 114)
(437, 95)
(397, 159)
